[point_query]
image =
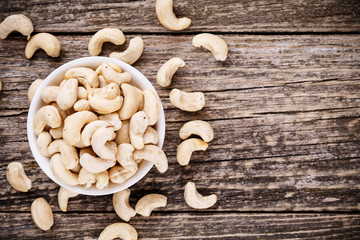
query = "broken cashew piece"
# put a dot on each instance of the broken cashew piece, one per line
(149, 202)
(67, 94)
(152, 154)
(151, 136)
(16, 22)
(42, 214)
(119, 230)
(47, 115)
(151, 105)
(122, 206)
(138, 124)
(187, 147)
(133, 98)
(63, 198)
(42, 142)
(49, 43)
(95, 164)
(101, 142)
(197, 127)
(69, 155)
(167, 71)
(195, 199)
(17, 178)
(216, 45)
(112, 35)
(132, 53)
(167, 18)
(187, 101)
(63, 174)
(33, 88)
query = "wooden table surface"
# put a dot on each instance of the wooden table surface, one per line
(285, 108)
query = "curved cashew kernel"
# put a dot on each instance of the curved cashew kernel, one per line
(73, 125)
(17, 178)
(90, 128)
(42, 214)
(94, 164)
(61, 173)
(16, 22)
(213, 43)
(197, 127)
(152, 154)
(42, 142)
(67, 94)
(187, 101)
(122, 135)
(69, 155)
(167, 18)
(102, 105)
(133, 97)
(122, 206)
(151, 136)
(113, 119)
(47, 115)
(167, 71)
(151, 105)
(110, 91)
(33, 88)
(119, 230)
(82, 105)
(132, 53)
(63, 198)
(113, 35)
(187, 147)
(138, 124)
(195, 199)
(87, 179)
(82, 93)
(125, 158)
(118, 174)
(49, 94)
(100, 142)
(49, 43)
(114, 66)
(110, 75)
(149, 202)
(86, 76)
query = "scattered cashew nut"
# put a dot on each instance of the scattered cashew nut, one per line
(132, 53)
(187, 147)
(113, 35)
(17, 178)
(213, 43)
(167, 71)
(149, 202)
(49, 43)
(63, 198)
(46, 115)
(42, 214)
(122, 206)
(119, 230)
(138, 124)
(187, 101)
(195, 199)
(33, 88)
(197, 127)
(152, 154)
(167, 18)
(61, 173)
(16, 22)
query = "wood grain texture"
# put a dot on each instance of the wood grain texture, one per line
(206, 15)
(168, 226)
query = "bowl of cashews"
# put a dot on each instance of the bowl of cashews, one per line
(96, 126)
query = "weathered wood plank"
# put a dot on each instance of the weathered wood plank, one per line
(206, 15)
(189, 226)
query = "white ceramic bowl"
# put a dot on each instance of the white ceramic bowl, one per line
(138, 80)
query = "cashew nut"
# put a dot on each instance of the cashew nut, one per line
(119, 230)
(77, 168)
(151, 105)
(187, 147)
(17, 178)
(187, 101)
(42, 214)
(16, 22)
(82, 105)
(113, 35)
(118, 174)
(49, 93)
(56, 133)
(167, 70)
(47, 115)
(61, 173)
(49, 43)
(113, 119)
(87, 179)
(111, 75)
(63, 198)
(133, 98)
(43, 141)
(132, 53)
(73, 125)
(69, 155)
(151, 136)
(122, 206)
(94, 164)
(86, 76)
(102, 82)
(213, 43)
(114, 66)
(102, 105)
(197, 127)
(138, 124)
(110, 91)
(33, 88)
(195, 199)
(149, 202)
(125, 158)
(122, 135)
(82, 93)
(67, 94)
(152, 154)
(90, 128)
(100, 142)
(167, 18)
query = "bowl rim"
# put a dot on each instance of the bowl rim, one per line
(36, 103)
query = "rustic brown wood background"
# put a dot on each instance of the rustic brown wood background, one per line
(285, 107)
